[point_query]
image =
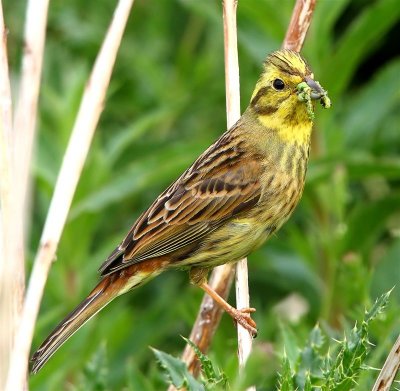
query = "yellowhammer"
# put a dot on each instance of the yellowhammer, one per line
(226, 204)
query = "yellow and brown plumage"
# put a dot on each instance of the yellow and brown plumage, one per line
(233, 197)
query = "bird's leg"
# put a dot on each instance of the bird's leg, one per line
(241, 316)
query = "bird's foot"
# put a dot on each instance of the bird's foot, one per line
(243, 317)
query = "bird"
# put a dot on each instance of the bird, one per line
(234, 196)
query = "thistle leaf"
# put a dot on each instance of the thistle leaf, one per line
(212, 375)
(285, 382)
(177, 372)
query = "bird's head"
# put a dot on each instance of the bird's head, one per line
(285, 94)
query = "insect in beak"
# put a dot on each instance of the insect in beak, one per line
(317, 92)
(311, 90)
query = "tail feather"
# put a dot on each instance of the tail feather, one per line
(111, 286)
(101, 295)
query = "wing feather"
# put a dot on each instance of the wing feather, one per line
(200, 201)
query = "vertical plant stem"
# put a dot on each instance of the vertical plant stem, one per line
(18, 142)
(389, 370)
(10, 287)
(5, 88)
(22, 140)
(210, 315)
(294, 39)
(233, 114)
(232, 85)
(74, 158)
(299, 24)
(28, 94)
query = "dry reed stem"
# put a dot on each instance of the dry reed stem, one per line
(210, 316)
(389, 369)
(24, 133)
(232, 86)
(299, 24)
(74, 158)
(28, 94)
(5, 89)
(9, 248)
(294, 39)
(19, 143)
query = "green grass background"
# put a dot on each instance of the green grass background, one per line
(165, 105)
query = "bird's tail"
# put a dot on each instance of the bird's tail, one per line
(109, 288)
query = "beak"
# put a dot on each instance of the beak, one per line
(317, 92)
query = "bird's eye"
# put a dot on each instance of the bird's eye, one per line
(278, 84)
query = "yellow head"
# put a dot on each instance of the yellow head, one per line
(282, 98)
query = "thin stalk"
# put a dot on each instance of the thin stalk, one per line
(19, 143)
(89, 112)
(5, 88)
(299, 24)
(389, 370)
(294, 39)
(28, 94)
(23, 134)
(210, 315)
(10, 287)
(232, 87)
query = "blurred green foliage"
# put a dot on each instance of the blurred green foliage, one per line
(165, 105)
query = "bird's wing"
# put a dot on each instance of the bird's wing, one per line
(222, 183)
